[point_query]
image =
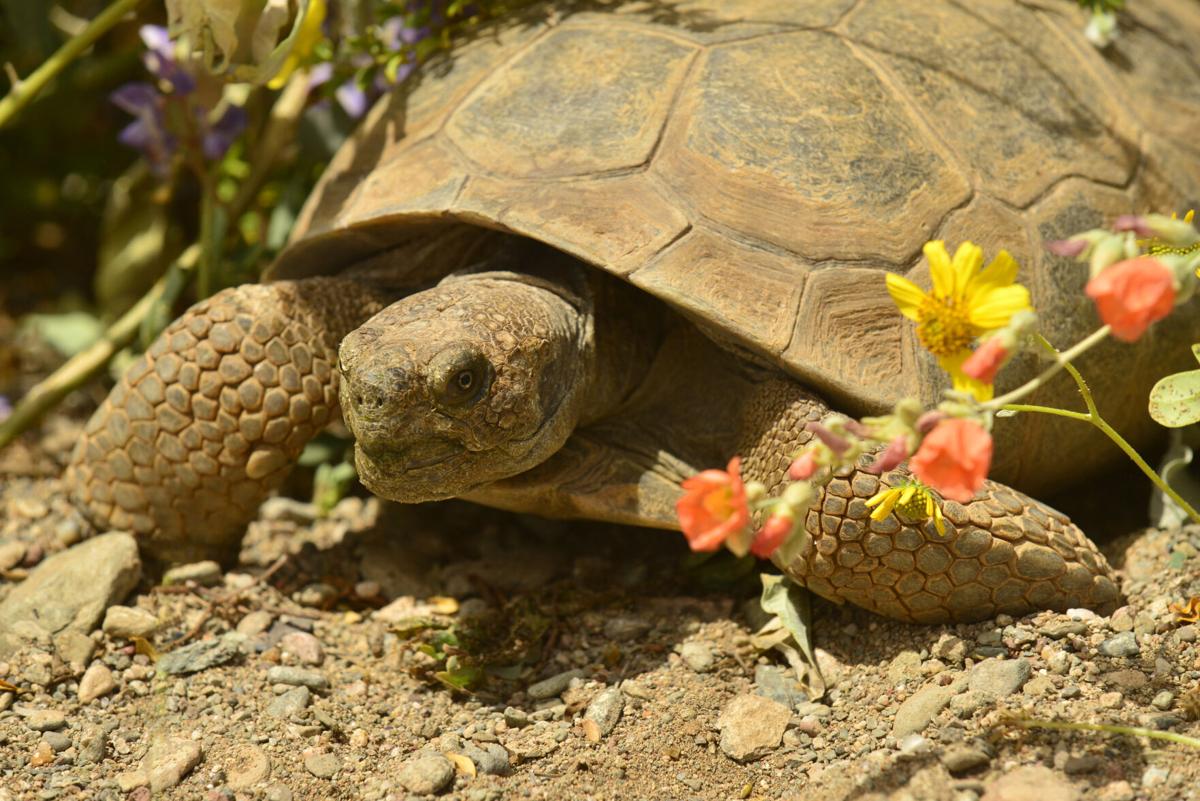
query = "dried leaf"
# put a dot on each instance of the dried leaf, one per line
(789, 602)
(591, 730)
(1187, 612)
(462, 764)
(442, 604)
(5, 687)
(142, 646)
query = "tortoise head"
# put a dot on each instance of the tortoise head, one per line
(474, 380)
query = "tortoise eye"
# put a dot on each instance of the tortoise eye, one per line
(461, 378)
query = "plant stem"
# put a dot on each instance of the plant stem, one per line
(81, 367)
(22, 92)
(1093, 416)
(1062, 361)
(1132, 731)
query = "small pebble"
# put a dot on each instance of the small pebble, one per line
(1163, 700)
(1122, 645)
(960, 759)
(426, 774)
(312, 679)
(128, 622)
(304, 646)
(58, 741)
(548, 688)
(293, 701)
(605, 710)
(206, 574)
(323, 766)
(97, 680)
(697, 655)
(46, 720)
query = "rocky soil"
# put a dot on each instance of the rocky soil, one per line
(613, 668)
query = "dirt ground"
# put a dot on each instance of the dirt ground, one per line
(603, 663)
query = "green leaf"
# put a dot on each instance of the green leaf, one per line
(1174, 471)
(1175, 399)
(67, 333)
(790, 603)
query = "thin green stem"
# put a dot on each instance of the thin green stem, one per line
(1025, 407)
(1061, 362)
(1132, 731)
(24, 91)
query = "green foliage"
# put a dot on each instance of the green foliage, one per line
(1175, 399)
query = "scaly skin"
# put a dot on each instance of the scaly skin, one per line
(210, 420)
(1002, 552)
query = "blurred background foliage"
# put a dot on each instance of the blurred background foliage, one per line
(171, 157)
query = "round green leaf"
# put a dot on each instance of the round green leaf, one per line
(1175, 400)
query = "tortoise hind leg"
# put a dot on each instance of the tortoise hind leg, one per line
(210, 420)
(1002, 551)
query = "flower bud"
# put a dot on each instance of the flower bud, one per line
(835, 442)
(891, 456)
(775, 531)
(987, 359)
(927, 421)
(803, 466)
(755, 490)
(798, 497)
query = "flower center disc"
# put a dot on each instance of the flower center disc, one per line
(943, 329)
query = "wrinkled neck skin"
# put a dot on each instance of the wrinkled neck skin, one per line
(481, 378)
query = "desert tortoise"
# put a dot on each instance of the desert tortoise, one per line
(620, 245)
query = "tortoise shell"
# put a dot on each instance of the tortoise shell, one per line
(758, 164)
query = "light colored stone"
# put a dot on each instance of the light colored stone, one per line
(323, 766)
(70, 590)
(697, 655)
(46, 720)
(548, 688)
(206, 574)
(960, 759)
(290, 702)
(605, 710)
(304, 646)
(920, 708)
(1122, 645)
(246, 766)
(97, 680)
(426, 773)
(168, 761)
(128, 622)
(1030, 783)
(752, 726)
(298, 677)
(1000, 677)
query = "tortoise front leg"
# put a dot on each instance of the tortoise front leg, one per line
(1002, 552)
(210, 420)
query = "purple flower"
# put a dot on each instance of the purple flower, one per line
(220, 135)
(160, 60)
(1070, 248)
(352, 99)
(148, 132)
(319, 74)
(396, 33)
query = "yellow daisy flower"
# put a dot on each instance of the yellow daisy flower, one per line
(1156, 247)
(913, 500)
(965, 303)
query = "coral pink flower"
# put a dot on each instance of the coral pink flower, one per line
(954, 458)
(713, 507)
(773, 534)
(803, 467)
(1132, 294)
(986, 360)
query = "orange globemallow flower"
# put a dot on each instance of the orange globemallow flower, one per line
(954, 458)
(986, 360)
(713, 507)
(1132, 294)
(773, 534)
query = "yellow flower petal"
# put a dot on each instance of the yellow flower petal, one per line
(907, 295)
(906, 494)
(941, 271)
(962, 381)
(995, 306)
(889, 503)
(1001, 271)
(967, 261)
(939, 522)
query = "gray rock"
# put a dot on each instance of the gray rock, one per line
(697, 655)
(490, 758)
(298, 677)
(968, 703)
(92, 745)
(128, 622)
(323, 766)
(246, 766)
(626, 629)
(920, 708)
(605, 710)
(1030, 783)
(752, 726)
(1065, 628)
(57, 741)
(516, 718)
(779, 684)
(960, 759)
(914, 746)
(206, 574)
(168, 761)
(548, 688)
(1001, 677)
(201, 655)
(97, 680)
(291, 702)
(74, 647)
(426, 773)
(46, 720)
(1076, 764)
(70, 590)
(1163, 700)
(303, 646)
(1122, 645)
